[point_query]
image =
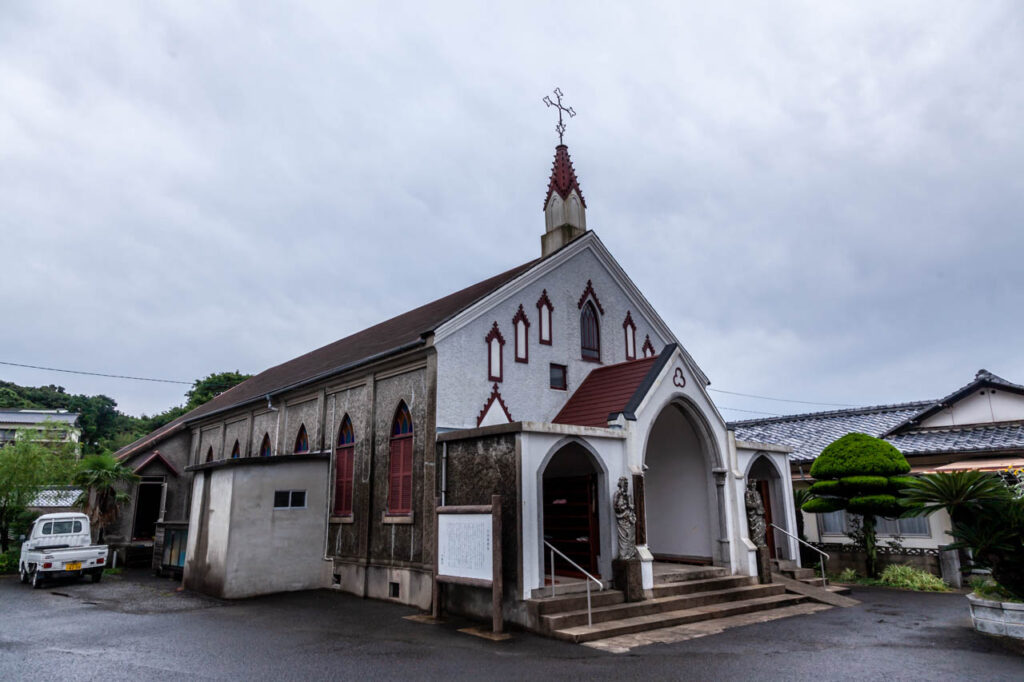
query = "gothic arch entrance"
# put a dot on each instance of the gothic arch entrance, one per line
(769, 485)
(572, 490)
(681, 497)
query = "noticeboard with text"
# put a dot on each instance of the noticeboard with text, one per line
(464, 546)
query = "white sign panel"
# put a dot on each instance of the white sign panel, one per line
(464, 546)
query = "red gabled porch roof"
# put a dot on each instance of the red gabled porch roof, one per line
(610, 390)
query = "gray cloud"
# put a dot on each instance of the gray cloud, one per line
(823, 201)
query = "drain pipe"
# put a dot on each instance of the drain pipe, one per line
(444, 472)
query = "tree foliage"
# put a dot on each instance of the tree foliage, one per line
(863, 475)
(104, 481)
(34, 460)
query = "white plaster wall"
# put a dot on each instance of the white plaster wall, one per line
(608, 447)
(678, 482)
(939, 523)
(462, 377)
(981, 407)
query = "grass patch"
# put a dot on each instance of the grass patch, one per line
(900, 577)
(9, 561)
(986, 588)
(113, 571)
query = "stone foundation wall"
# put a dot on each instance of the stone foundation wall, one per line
(844, 556)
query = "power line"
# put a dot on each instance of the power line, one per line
(736, 409)
(781, 400)
(97, 374)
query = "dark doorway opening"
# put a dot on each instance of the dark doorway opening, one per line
(147, 509)
(571, 512)
(764, 489)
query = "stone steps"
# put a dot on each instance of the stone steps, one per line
(722, 582)
(553, 622)
(641, 623)
(688, 573)
(575, 601)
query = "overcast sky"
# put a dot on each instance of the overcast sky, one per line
(823, 200)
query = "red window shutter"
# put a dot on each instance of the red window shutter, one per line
(400, 470)
(343, 481)
(407, 475)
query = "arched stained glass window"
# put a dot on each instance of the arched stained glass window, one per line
(590, 334)
(265, 450)
(344, 469)
(400, 466)
(301, 440)
(236, 451)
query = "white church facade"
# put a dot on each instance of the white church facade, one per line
(546, 384)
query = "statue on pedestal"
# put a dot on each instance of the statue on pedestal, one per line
(625, 519)
(755, 515)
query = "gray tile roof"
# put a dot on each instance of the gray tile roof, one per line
(36, 416)
(56, 497)
(808, 434)
(980, 438)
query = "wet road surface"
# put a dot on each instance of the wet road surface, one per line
(139, 627)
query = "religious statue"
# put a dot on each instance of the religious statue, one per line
(625, 519)
(755, 514)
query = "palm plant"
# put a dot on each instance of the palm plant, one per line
(103, 479)
(987, 518)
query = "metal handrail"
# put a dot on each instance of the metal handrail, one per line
(821, 561)
(600, 585)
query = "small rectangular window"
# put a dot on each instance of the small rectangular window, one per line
(558, 377)
(289, 499)
(298, 498)
(833, 523)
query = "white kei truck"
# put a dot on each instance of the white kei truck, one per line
(59, 546)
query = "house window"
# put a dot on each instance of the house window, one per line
(590, 334)
(648, 348)
(265, 450)
(400, 465)
(544, 309)
(630, 330)
(522, 326)
(344, 467)
(915, 525)
(558, 376)
(301, 440)
(495, 342)
(236, 452)
(833, 523)
(289, 499)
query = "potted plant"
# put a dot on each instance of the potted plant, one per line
(987, 514)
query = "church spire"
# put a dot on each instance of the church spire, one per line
(564, 207)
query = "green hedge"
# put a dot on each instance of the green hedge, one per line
(898, 483)
(823, 505)
(861, 454)
(873, 504)
(867, 484)
(824, 487)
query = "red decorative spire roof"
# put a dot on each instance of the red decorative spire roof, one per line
(563, 177)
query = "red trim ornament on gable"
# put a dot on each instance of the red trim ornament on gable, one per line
(544, 302)
(495, 395)
(589, 291)
(522, 354)
(629, 327)
(495, 333)
(648, 347)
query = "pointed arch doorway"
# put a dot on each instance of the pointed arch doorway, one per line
(571, 486)
(681, 499)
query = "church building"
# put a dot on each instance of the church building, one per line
(547, 384)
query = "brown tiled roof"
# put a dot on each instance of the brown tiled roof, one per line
(380, 340)
(606, 390)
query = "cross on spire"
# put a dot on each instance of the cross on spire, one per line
(558, 103)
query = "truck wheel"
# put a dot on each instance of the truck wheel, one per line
(37, 580)
(97, 575)
(23, 574)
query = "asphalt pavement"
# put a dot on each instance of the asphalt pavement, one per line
(140, 627)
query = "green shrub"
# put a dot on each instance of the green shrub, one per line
(899, 483)
(848, 575)
(867, 484)
(986, 588)
(861, 453)
(910, 578)
(9, 561)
